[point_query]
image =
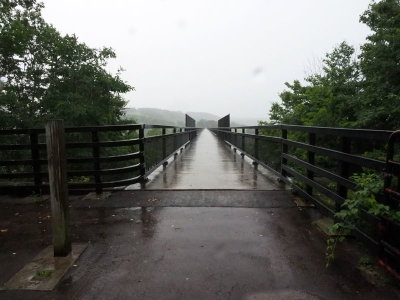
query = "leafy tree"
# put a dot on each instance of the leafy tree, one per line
(47, 75)
(380, 65)
(327, 99)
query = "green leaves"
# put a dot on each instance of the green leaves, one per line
(326, 99)
(361, 92)
(52, 76)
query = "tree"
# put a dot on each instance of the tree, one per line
(47, 75)
(327, 99)
(380, 65)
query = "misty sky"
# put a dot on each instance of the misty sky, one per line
(212, 56)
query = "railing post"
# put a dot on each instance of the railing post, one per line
(236, 137)
(57, 165)
(243, 142)
(311, 160)
(142, 156)
(345, 146)
(175, 143)
(284, 150)
(164, 147)
(96, 161)
(180, 138)
(255, 163)
(36, 163)
(256, 143)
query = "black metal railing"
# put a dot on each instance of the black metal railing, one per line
(318, 163)
(98, 158)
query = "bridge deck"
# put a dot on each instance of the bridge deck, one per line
(186, 242)
(208, 164)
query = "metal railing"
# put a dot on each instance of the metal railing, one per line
(318, 163)
(98, 158)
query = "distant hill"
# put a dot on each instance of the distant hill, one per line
(177, 118)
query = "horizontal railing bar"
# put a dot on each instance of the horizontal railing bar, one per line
(324, 209)
(343, 181)
(16, 162)
(393, 167)
(260, 136)
(15, 146)
(341, 156)
(153, 168)
(104, 144)
(263, 164)
(362, 236)
(117, 183)
(104, 128)
(368, 134)
(154, 137)
(21, 131)
(327, 192)
(18, 175)
(146, 126)
(104, 171)
(105, 159)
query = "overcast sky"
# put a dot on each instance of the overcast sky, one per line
(211, 56)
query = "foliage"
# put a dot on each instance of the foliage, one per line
(47, 75)
(327, 98)
(350, 91)
(379, 64)
(369, 187)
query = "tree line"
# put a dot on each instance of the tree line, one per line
(46, 75)
(358, 91)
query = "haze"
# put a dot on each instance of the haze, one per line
(211, 56)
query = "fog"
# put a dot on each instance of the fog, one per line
(211, 56)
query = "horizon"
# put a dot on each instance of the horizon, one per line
(236, 61)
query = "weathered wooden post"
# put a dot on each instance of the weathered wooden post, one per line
(57, 165)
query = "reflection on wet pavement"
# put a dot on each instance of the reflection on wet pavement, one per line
(209, 164)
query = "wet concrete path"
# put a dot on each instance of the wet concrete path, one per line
(182, 243)
(209, 164)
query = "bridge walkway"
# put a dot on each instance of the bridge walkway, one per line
(209, 164)
(210, 226)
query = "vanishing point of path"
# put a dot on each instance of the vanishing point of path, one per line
(209, 164)
(210, 226)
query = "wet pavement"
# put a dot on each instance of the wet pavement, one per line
(186, 253)
(219, 230)
(208, 163)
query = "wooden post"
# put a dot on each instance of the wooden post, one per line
(57, 164)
